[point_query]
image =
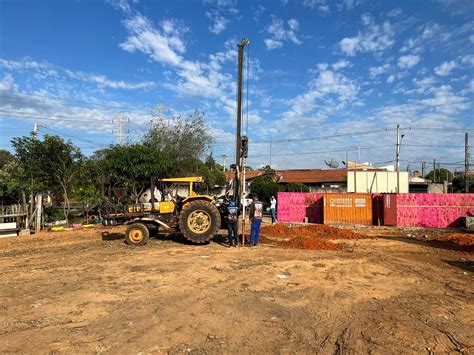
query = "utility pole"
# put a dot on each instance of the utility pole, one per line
(238, 148)
(224, 157)
(434, 170)
(119, 133)
(466, 162)
(423, 167)
(241, 46)
(271, 143)
(398, 158)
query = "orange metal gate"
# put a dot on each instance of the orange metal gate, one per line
(347, 208)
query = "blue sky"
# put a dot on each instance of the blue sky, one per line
(326, 77)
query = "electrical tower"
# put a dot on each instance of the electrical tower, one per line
(120, 120)
(157, 114)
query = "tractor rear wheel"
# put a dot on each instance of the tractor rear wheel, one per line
(199, 221)
(137, 234)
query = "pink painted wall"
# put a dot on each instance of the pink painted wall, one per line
(433, 210)
(409, 210)
(290, 207)
(295, 206)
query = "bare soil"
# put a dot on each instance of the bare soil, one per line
(74, 292)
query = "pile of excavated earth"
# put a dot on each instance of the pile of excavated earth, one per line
(323, 237)
(312, 236)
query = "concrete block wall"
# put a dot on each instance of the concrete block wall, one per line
(412, 210)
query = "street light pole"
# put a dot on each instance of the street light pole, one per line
(399, 143)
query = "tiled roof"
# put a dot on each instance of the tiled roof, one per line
(312, 175)
(249, 175)
(308, 176)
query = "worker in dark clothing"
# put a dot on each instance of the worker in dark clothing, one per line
(232, 217)
(255, 215)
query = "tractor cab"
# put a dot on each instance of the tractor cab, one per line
(169, 195)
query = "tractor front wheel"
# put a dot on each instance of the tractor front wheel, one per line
(137, 234)
(199, 221)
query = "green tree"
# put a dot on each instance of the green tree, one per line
(185, 139)
(87, 187)
(60, 162)
(11, 184)
(49, 165)
(264, 185)
(441, 175)
(5, 157)
(296, 187)
(29, 156)
(132, 166)
(459, 183)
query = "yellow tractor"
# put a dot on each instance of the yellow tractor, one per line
(196, 217)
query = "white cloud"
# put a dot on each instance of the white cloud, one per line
(46, 69)
(54, 108)
(324, 9)
(219, 23)
(218, 14)
(424, 85)
(7, 83)
(330, 82)
(163, 46)
(328, 92)
(102, 81)
(312, 4)
(23, 64)
(374, 38)
(121, 5)
(395, 12)
(390, 79)
(470, 86)
(188, 78)
(428, 34)
(467, 59)
(376, 71)
(408, 61)
(350, 4)
(279, 33)
(445, 68)
(294, 24)
(445, 102)
(341, 64)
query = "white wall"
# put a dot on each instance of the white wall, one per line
(376, 181)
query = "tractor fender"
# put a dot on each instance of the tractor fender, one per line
(198, 197)
(149, 220)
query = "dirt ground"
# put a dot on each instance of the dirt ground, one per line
(397, 292)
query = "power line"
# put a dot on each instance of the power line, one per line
(51, 118)
(61, 99)
(311, 138)
(439, 129)
(324, 151)
(433, 145)
(54, 131)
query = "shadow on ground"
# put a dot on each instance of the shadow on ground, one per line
(439, 244)
(112, 236)
(464, 265)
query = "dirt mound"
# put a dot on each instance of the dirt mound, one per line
(310, 230)
(311, 236)
(461, 239)
(312, 244)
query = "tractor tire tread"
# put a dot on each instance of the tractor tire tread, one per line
(215, 220)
